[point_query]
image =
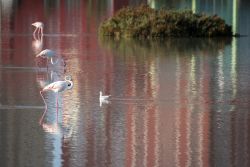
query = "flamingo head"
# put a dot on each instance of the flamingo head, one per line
(69, 84)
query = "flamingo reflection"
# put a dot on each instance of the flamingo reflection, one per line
(53, 128)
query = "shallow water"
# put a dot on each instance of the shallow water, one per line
(177, 102)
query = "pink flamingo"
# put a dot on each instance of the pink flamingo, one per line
(47, 53)
(39, 27)
(56, 87)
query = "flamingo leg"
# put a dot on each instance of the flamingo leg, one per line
(46, 108)
(51, 60)
(57, 107)
(47, 64)
(34, 36)
(35, 31)
(41, 119)
(42, 31)
(38, 29)
(40, 38)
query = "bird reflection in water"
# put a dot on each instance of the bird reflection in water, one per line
(51, 128)
(63, 129)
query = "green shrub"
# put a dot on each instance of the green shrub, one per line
(143, 21)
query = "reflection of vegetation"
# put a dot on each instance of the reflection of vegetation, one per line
(144, 21)
(169, 46)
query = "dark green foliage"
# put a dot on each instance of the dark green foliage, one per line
(143, 21)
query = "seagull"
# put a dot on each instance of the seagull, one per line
(39, 27)
(57, 87)
(47, 53)
(103, 98)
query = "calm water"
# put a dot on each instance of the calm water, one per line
(178, 102)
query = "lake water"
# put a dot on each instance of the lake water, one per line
(175, 102)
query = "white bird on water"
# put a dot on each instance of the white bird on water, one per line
(49, 54)
(103, 98)
(39, 27)
(56, 87)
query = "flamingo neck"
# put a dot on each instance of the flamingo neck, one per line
(52, 62)
(42, 30)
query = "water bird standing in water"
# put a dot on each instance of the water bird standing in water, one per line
(103, 98)
(56, 87)
(47, 53)
(39, 27)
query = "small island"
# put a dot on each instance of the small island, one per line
(145, 22)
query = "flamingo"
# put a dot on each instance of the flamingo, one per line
(47, 53)
(39, 27)
(56, 87)
(103, 98)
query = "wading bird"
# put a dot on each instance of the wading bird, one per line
(39, 27)
(103, 98)
(49, 54)
(56, 87)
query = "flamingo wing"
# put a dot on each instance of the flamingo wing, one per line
(37, 24)
(57, 86)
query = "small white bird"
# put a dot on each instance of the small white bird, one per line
(103, 98)
(56, 87)
(39, 27)
(47, 53)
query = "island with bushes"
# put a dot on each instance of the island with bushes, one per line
(145, 22)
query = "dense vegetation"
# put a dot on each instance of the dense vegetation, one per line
(143, 21)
